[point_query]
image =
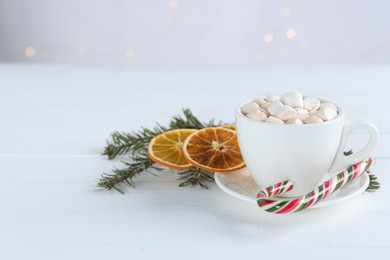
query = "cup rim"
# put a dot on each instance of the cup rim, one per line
(340, 116)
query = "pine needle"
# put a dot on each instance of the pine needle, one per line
(140, 163)
(195, 176)
(374, 185)
(135, 145)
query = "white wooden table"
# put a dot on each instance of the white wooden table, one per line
(54, 123)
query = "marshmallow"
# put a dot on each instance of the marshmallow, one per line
(313, 111)
(257, 114)
(302, 116)
(265, 111)
(294, 121)
(266, 105)
(293, 99)
(311, 103)
(259, 101)
(290, 108)
(286, 112)
(274, 120)
(245, 109)
(328, 105)
(312, 120)
(274, 107)
(272, 98)
(302, 111)
(326, 113)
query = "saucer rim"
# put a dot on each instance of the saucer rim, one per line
(324, 203)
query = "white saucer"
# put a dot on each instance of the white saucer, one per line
(240, 185)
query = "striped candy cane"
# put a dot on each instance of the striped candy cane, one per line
(321, 192)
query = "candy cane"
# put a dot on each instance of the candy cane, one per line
(321, 192)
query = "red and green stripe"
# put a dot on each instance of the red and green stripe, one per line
(265, 197)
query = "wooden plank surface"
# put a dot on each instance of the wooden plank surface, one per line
(54, 122)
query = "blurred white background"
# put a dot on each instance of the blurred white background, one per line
(195, 32)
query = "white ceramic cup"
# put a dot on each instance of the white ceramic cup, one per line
(300, 153)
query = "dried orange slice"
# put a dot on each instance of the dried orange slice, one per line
(231, 127)
(214, 149)
(167, 149)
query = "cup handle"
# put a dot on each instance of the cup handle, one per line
(342, 161)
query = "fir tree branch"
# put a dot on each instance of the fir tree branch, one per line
(139, 164)
(374, 185)
(190, 121)
(121, 143)
(136, 143)
(194, 176)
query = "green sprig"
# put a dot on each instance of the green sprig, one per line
(195, 176)
(190, 122)
(121, 143)
(135, 145)
(140, 163)
(374, 185)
